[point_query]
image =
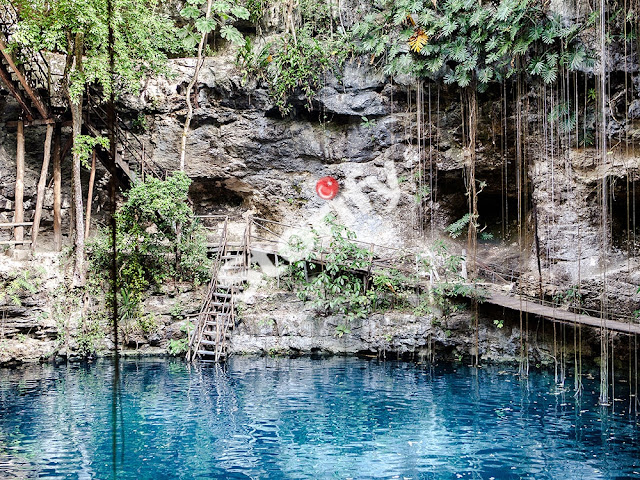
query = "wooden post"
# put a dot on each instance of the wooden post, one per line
(57, 192)
(92, 179)
(19, 191)
(41, 185)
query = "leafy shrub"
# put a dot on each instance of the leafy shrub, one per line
(158, 237)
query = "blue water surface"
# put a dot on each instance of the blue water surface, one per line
(281, 418)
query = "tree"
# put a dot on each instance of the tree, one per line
(78, 29)
(149, 242)
(217, 15)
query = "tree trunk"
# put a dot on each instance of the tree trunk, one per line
(41, 185)
(194, 81)
(92, 179)
(57, 192)
(18, 216)
(74, 65)
(78, 271)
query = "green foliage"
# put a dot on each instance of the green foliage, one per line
(297, 60)
(144, 37)
(465, 41)
(456, 228)
(89, 335)
(147, 323)
(563, 116)
(180, 346)
(177, 311)
(223, 15)
(256, 9)
(21, 283)
(337, 288)
(294, 65)
(342, 330)
(570, 297)
(83, 146)
(367, 123)
(139, 124)
(158, 237)
(499, 323)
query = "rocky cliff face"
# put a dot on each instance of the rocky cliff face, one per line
(401, 184)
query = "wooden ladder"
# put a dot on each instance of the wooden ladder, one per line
(217, 316)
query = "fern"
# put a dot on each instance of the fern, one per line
(521, 47)
(536, 65)
(459, 51)
(456, 228)
(478, 16)
(504, 9)
(467, 42)
(449, 27)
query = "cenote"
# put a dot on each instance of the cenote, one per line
(284, 418)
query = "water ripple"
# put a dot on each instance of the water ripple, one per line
(303, 419)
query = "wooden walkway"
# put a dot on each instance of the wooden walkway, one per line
(528, 305)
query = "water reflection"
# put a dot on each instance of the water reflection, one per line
(303, 418)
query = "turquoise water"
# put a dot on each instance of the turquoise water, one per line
(278, 418)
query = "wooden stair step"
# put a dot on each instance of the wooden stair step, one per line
(220, 294)
(211, 324)
(208, 342)
(217, 304)
(206, 352)
(238, 287)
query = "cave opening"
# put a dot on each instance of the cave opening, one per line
(625, 213)
(498, 215)
(212, 197)
(497, 208)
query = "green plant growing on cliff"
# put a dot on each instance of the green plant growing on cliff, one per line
(342, 330)
(22, 282)
(313, 43)
(89, 336)
(181, 345)
(295, 64)
(470, 44)
(338, 285)
(151, 248)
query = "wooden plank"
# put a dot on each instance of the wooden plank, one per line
(220, 294)
(36, 122)
(210, 353)
(15, 242)
(18, 216)
(15, 224)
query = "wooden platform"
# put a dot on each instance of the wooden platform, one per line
(555, 314)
